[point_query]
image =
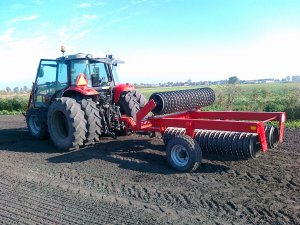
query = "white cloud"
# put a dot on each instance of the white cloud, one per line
(90, 4)
(80, 35)
(84, 5)
(7, 36)
(28, 51)
(76, 29)
(136, 2)
(24, 18)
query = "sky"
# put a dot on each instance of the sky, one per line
(159, 40)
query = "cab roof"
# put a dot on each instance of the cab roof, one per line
(109, 59)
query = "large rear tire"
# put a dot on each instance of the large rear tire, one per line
(129, 104)
(183, 153)
(66, 124)
(93, 125)
(36, 124)
(140, 98)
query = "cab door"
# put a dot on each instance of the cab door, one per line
(45, 85)
(52, 77)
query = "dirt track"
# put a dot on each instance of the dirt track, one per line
(127, 181)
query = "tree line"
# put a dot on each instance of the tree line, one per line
(15, 90)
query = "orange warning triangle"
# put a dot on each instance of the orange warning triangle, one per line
(81, 80)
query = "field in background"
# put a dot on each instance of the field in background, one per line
(276, 97)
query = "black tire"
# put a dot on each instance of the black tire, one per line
(93, 119)
(129, 104)
(36, 124)
(140, 98)
(171, 132)
(183, 153)
(272, 136)
(66, 124)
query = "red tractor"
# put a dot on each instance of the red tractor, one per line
(77, 98)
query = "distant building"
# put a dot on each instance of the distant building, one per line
(296, 78)
(265, 81)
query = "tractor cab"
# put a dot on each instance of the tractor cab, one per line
(79, 72)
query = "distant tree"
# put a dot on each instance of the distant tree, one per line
(227, 95)
(25, 89)
(233, 80)
(16, 90)
(8, 89)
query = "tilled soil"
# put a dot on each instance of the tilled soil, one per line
(127, 181)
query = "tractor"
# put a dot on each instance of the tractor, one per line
(77, 98)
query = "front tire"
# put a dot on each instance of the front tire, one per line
(184, 153)
(37, 126)
(66, 124)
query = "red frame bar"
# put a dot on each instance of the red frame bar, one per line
(251, 122)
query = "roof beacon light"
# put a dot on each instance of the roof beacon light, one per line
(63, 49)
(81, 80)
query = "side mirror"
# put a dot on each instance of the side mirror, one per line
(41, 72)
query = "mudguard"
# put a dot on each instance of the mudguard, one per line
(81, 90)
(119, 88)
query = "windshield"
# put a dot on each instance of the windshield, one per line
(95, 72)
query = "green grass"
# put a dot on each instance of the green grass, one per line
(13, 105)
(293, 124)
(5, 112)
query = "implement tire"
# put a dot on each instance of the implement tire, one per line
(129, 104)
(37, 126)
(184, 153)
(66, 124)
(93, 119)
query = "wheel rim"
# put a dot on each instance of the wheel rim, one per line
(179, 155)
(34, 124)
(60, 124)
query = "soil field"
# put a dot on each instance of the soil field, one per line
(127, 181)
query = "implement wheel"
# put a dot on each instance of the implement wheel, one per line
(183, 153)
(66, 124)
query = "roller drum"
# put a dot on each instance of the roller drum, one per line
(233, 144)
(183, 100)
(171, 132)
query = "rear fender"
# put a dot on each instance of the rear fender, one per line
(81, 90)
(119, 88)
